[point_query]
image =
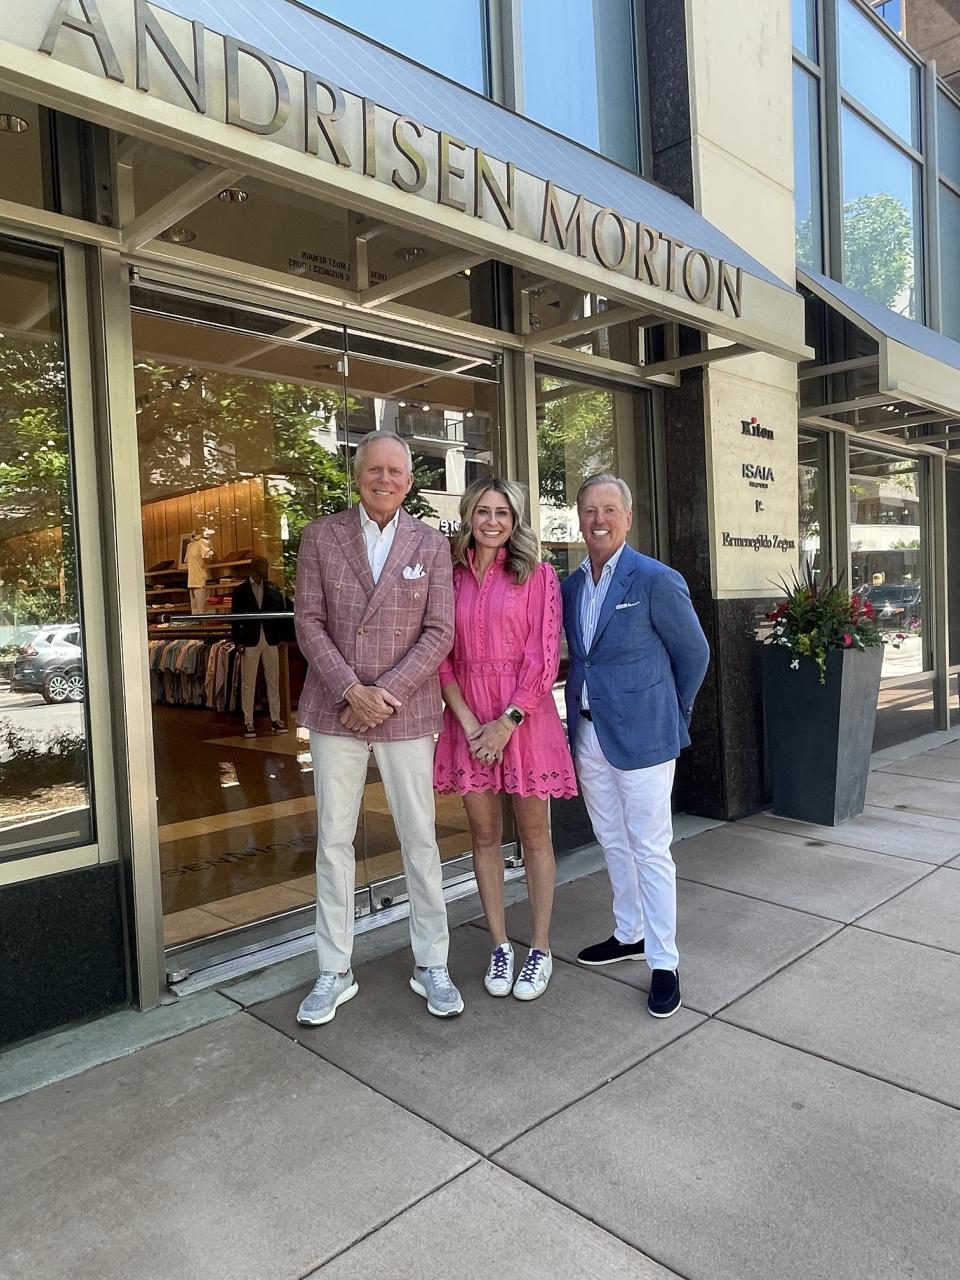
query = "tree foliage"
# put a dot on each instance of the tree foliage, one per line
(878, 249)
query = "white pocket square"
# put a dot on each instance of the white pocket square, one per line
(632, 604)
(414, 571)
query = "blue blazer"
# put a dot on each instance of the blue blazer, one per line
(647, 660)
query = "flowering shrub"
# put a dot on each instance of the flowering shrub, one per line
(819, 615)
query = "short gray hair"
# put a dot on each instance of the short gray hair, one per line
(606, 478)
(371, 438)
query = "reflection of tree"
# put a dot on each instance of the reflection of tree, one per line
(877, 246)
(200, 428)
(39, 581)
(575, 438)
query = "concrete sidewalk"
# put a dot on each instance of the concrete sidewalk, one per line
(798, 1118)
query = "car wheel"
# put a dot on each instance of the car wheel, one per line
(63, 686)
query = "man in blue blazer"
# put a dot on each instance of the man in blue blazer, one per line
(637, 658)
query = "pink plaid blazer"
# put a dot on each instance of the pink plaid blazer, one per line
(395, 633)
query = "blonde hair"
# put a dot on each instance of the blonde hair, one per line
(523, 550)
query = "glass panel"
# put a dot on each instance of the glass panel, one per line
(891, 11)
(806, 144)
(887, 553)
(953, 564)
(948, 137)
(814, 498)
(882, 255)
(878, 74)
(451, 424)
(583, 429)
(446, 35)
(949, 257)
(904, 711)
(44, 755)
(579, 73)
(804, 15)
(240, 446)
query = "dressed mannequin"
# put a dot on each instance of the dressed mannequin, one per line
(258, 642)
(198, 552)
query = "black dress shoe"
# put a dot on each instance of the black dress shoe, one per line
(611, 951)
(664, 997)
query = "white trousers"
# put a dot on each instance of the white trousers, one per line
(198, 599)
(340, 774)
(631, 817)
(250, 661)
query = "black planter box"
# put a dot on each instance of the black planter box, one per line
(819, 737)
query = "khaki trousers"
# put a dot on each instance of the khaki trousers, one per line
(249, 665)
(340, 774)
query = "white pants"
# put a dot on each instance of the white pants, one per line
(198, 599)
(250, 664)
(340, 774)
(633, 823)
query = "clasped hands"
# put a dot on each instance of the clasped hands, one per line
(487, 741)
(367, 706)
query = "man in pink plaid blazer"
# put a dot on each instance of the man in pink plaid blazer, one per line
(374, 617)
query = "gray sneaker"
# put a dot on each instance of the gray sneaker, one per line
(442, 997)
(329, 991)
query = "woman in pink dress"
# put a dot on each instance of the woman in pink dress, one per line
(501, 728)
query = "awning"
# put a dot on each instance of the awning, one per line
(883, 373)
(396, 142)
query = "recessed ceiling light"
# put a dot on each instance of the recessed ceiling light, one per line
(411, 253)
(425, 408)
(401, 404)
(13, 124)
(466, 273)
(469, 413)
(178, 235)
(234, 195)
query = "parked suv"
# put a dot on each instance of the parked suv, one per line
(51, 665)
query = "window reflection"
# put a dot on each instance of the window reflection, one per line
(881, 219)
(579, 73)
(887, 553)
(806, 141)
(804, 16)
(878, 74)
(44, 767)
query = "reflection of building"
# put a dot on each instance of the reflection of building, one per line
(228, 346)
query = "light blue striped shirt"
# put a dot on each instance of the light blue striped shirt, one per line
(592, 596)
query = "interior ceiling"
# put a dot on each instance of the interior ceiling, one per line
(28, 307)
(20, 154)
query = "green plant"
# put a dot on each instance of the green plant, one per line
(819, 615)
(30, 763)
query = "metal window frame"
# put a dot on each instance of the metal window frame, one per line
(79, 367)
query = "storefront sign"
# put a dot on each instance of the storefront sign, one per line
(753, 477)
(132, 42)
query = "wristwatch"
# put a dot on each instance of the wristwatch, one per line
(515, 714)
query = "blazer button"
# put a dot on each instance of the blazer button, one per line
(416, 595)
(360, 632)
(396, 633)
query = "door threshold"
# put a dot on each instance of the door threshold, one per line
(184, 980)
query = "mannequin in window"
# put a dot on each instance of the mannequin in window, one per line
(258, 642)
(198, 552)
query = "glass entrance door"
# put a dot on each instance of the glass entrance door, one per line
(247, 426)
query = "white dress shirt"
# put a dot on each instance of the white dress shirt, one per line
(379, 541)
(592, 596)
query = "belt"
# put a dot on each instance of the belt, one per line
(587, 715)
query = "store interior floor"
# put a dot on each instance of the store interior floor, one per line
(238, 827)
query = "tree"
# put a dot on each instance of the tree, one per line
(574, 439)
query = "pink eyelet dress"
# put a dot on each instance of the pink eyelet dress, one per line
(506, 650)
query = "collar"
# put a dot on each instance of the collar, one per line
(611, 564)
(366, 521)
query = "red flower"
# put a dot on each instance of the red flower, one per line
(868, 608)
(847, 639)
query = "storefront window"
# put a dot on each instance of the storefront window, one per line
(445, 35)
(806, 142)
(878, 74)
(44, 757)
(953, 563)
(247, 426)
(814, 491)
(579, 73)
(804, 15)
(882, 256)
(887, 554)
